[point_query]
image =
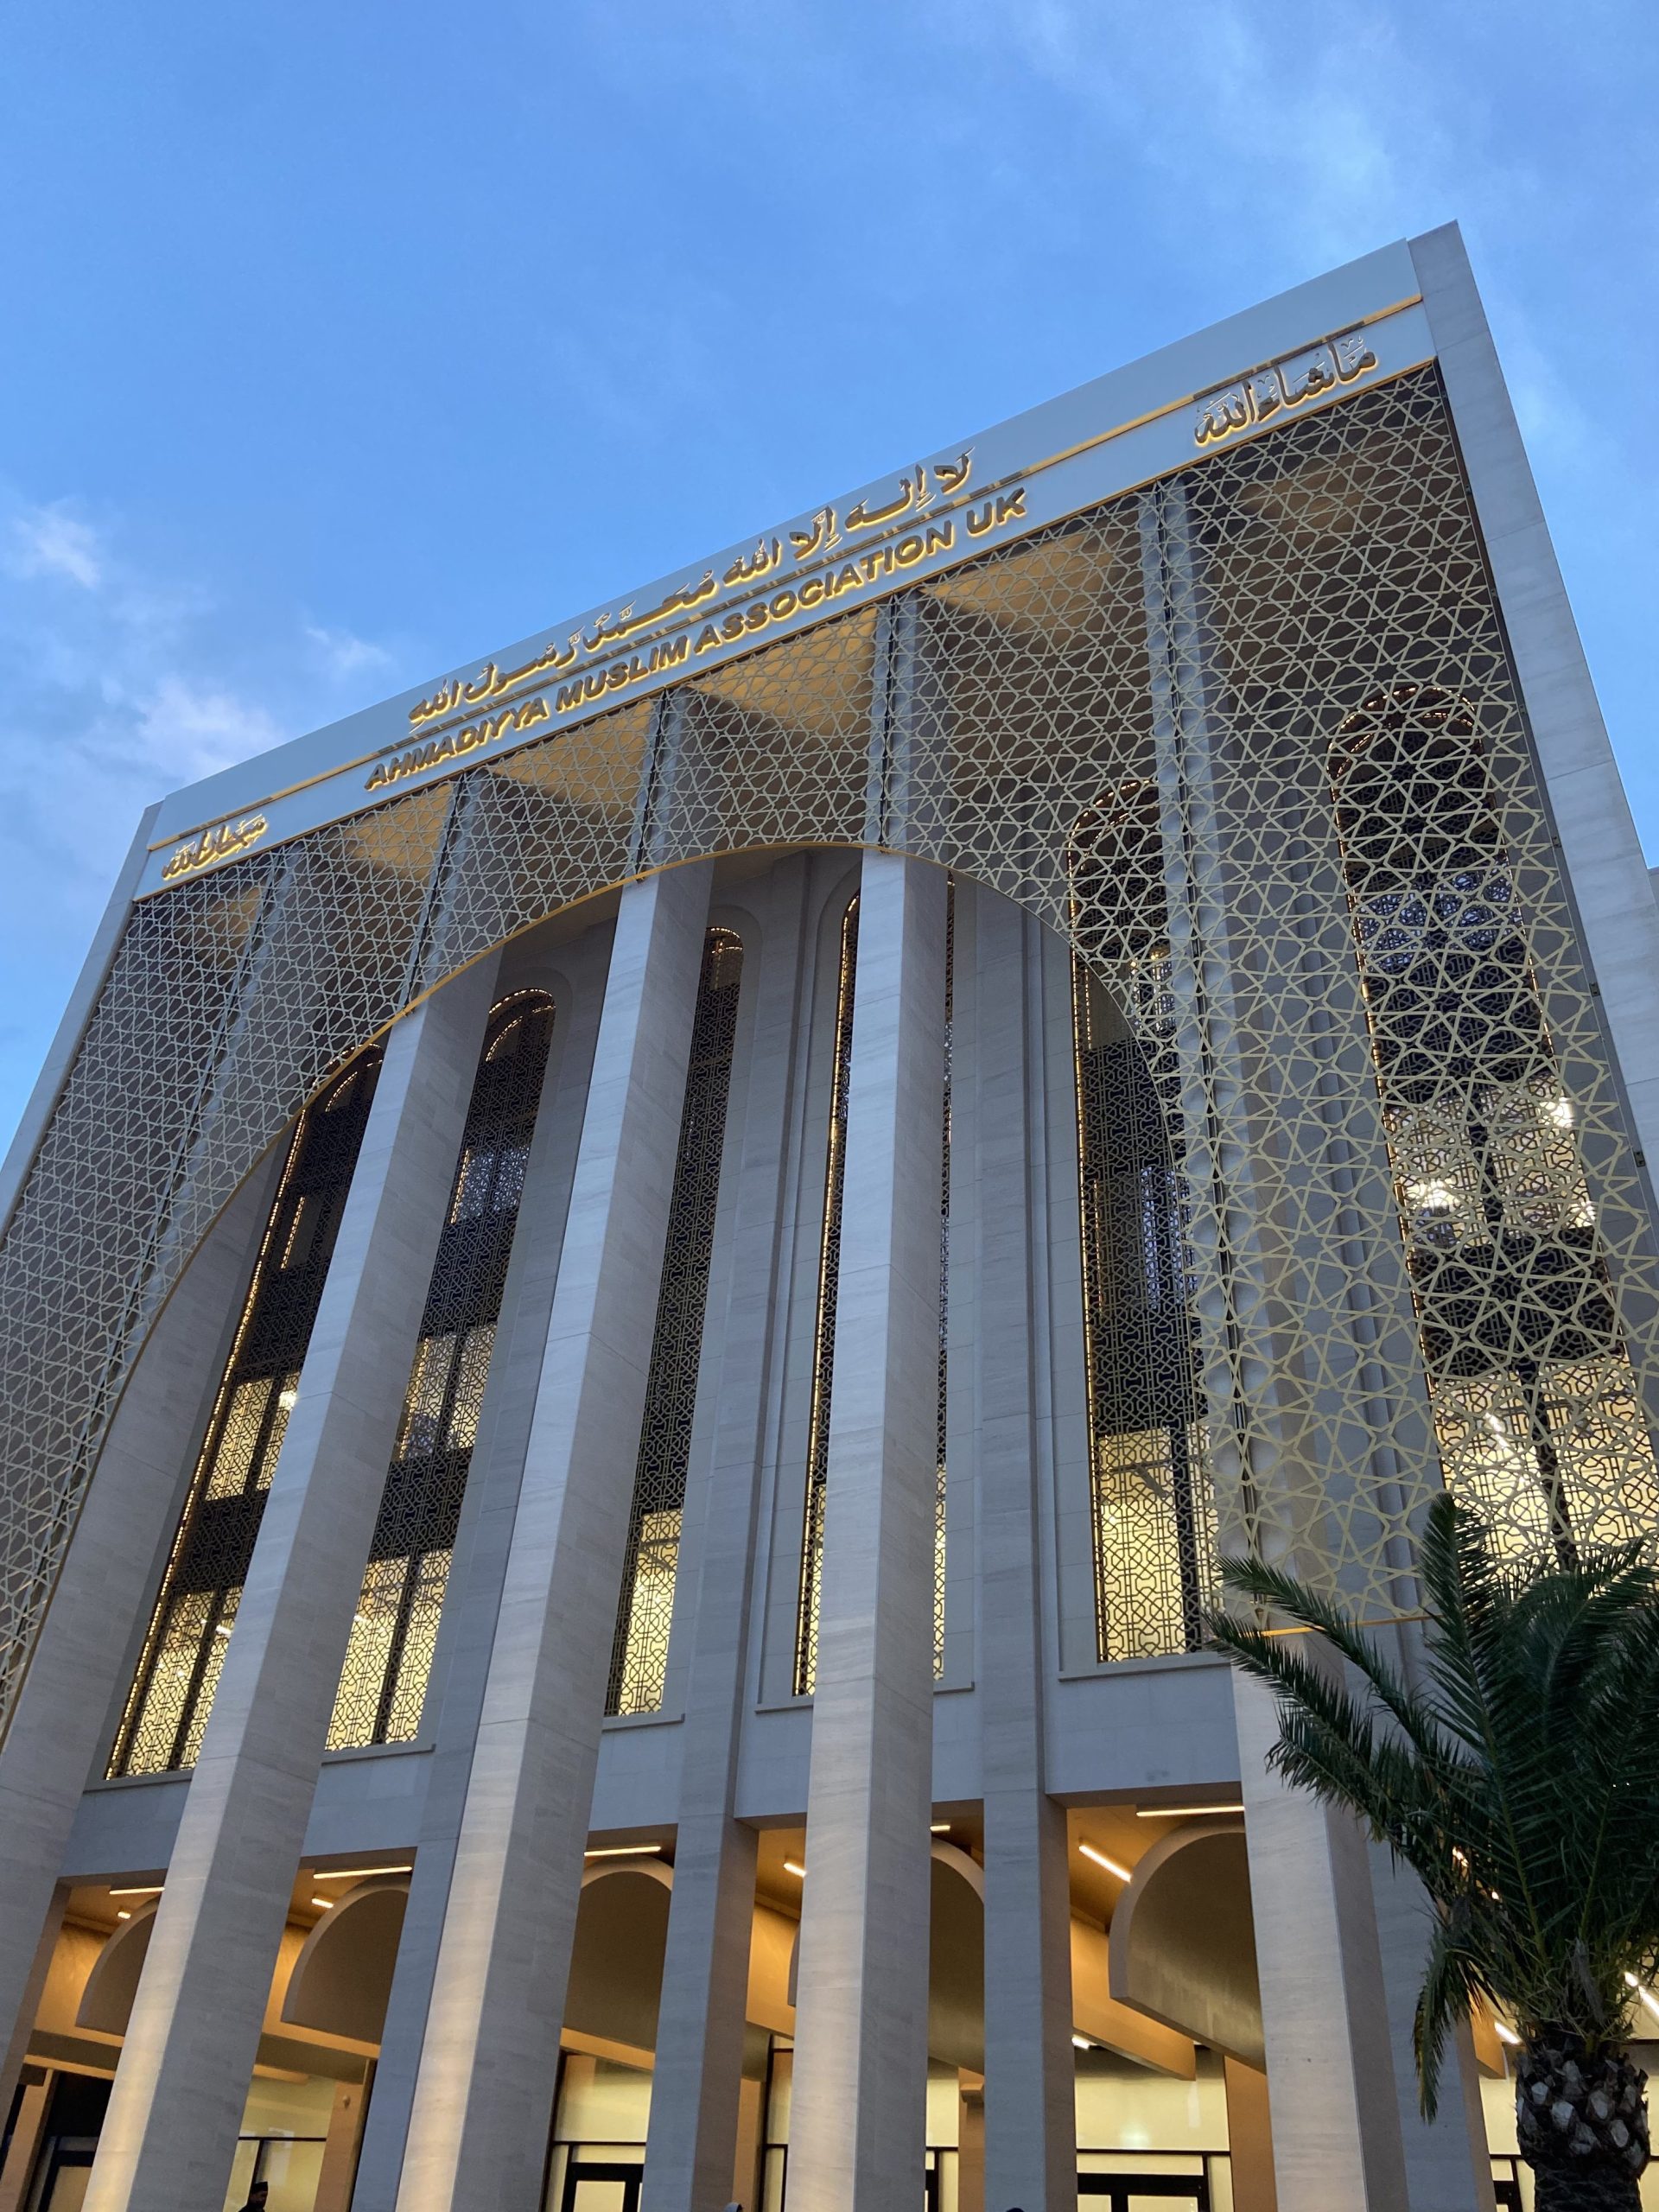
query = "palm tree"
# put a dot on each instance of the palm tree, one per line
(1519, 1781)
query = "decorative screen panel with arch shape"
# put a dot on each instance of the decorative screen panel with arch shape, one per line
(1209, 633)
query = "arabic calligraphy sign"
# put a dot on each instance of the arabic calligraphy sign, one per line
(1290, 383)
(222, 842)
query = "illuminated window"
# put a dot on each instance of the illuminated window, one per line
(1154, 1525)
(389, 1659)
(173, 1692)
(1535, 1411)
(823, 1334)
(646, 1608)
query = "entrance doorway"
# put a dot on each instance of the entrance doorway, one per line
(1146, 2192)
(592, 2187)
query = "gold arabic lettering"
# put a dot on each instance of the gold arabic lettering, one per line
(221, 843)
(1257, 397)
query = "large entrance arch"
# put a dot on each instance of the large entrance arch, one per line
(1203, 640)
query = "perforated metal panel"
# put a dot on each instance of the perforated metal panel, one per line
(1210, 637)
(646, 1611)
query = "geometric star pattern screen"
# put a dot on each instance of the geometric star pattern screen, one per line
(1416, 1246)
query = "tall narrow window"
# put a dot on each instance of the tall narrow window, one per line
(173, 1692)
(824, 1344)
(1535, 1408)
(1154, 1518)
(645, 1612)
(389, 1658)
(823, 1333)
(942, 1423)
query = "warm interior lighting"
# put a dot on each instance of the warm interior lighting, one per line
(1643, 1993)
(939, 1828)
(623, 1851)
(356, 1873)
(1505, 2032)
(1182, 1812)
(124, 1914)
(1081, 2043)
(794, 1866)
(143, 1890)
(1101, 1859)
(326, 1902)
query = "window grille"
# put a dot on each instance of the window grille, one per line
(646, 1611)
(1153, 1512)
(395, 1632)
(173, 1692)
(1535, 1409)
(823, 1333)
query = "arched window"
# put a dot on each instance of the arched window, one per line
(645, 1610)
(394, 1633)
(1535, 1406)
(173, 1692)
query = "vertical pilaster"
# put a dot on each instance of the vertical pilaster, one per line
(460, 1663)
(108, 1578)
(696, 2094)
(1335, 2124)
(1448, 2168)
(858, 2116)
(171, 2133)
(1030, 2130)
(484, 2092)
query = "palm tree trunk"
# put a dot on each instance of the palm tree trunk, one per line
(1582, 2124)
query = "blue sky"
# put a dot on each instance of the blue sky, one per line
(347, 341)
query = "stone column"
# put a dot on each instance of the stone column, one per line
(484, 2091)
(858, 2115)
(108, 1579)
(460, 1663)
(170, 2134)
(1030, 2098)
(1335, 2124)
(691, 2153)
(1448, 2167)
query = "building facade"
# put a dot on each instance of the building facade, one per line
(643, 1291)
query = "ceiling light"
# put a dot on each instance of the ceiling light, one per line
(939, 1828)
(1182, 1812)
(1101, 1859)
(356, 1873)
(794, 1866)
(326, 1902)
(143, 1890)
(1081, 2043)
(1505, 2032)
(622, 1851)
(124, 1915)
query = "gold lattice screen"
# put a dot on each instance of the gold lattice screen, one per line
(1249, 740)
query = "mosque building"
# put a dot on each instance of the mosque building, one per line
(644, 1288)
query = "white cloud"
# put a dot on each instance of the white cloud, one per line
(121, 684)
(54, 541)
(189, 727)
(341, 655)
